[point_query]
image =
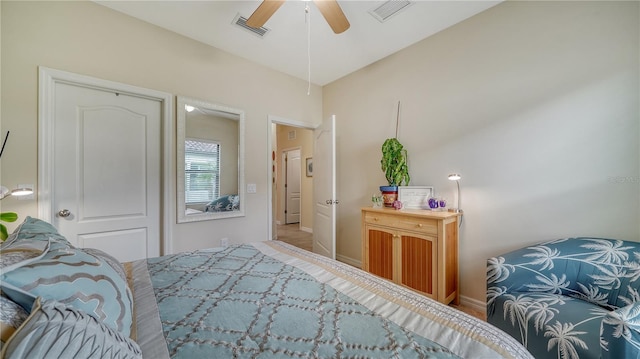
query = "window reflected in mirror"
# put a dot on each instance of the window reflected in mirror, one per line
(201, 171)
(210, 161)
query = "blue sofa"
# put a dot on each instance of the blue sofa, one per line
(569, 298)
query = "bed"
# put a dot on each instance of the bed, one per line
(258, 300)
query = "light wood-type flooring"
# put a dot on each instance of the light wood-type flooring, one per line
(291, 233)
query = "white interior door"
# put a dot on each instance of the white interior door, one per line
(324, 189)
(107, 170)
(292, 187)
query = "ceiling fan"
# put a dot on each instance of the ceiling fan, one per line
(328, 8)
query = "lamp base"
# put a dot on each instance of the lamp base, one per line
(455, 210)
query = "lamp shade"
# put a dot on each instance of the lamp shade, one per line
(456, 177)
(22, 191)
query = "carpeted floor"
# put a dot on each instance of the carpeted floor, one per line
(291, 233)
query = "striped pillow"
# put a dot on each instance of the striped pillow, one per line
(54, 330)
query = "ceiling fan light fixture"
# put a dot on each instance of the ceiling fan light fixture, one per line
(388, 9)
(241, 22)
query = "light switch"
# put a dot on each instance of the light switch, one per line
(251, 188)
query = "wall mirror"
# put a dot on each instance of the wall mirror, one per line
(210, 161)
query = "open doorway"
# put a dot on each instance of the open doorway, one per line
(292, 184)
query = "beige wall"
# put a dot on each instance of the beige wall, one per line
(303, 141)
(535, 104)
(89, 39)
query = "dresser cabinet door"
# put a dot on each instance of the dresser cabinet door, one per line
(418, 263)
(379, 248)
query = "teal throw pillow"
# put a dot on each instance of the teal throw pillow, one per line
(34, 228)
(75, 277)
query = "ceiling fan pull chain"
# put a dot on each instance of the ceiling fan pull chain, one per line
(308, 18)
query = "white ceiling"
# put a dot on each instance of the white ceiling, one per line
(285, 47)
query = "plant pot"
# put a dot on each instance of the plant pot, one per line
(389, 195)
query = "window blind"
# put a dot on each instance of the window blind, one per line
(202, 171)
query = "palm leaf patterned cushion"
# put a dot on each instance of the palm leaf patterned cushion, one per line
(229, 202)
(569, 298)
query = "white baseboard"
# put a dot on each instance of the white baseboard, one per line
(306, 229)
(478, 305)
(348, 260)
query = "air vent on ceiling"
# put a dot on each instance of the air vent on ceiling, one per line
(241, 21)
(389, 8)
(292, 135)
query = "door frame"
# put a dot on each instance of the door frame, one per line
(271, 120)
(47, 80)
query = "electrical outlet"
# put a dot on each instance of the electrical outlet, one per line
(224, 242)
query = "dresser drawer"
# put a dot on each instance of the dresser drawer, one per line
(422, 225)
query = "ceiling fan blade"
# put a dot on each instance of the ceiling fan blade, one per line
(263, 13)
(333, 14)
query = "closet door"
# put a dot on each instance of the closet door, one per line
(105, 166)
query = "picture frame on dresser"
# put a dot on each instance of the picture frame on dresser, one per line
(414, 197)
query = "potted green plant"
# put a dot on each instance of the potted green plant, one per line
(4, 192)
(6, 217)
(396, 171)
(394, 165)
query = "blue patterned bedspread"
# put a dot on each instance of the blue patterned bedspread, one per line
(271, 300)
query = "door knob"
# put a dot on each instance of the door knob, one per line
(64, 213)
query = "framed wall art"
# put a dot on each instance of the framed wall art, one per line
(309, 166)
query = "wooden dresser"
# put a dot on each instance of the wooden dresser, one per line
(414, 248)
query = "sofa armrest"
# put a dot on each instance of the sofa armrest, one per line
(620, 333)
